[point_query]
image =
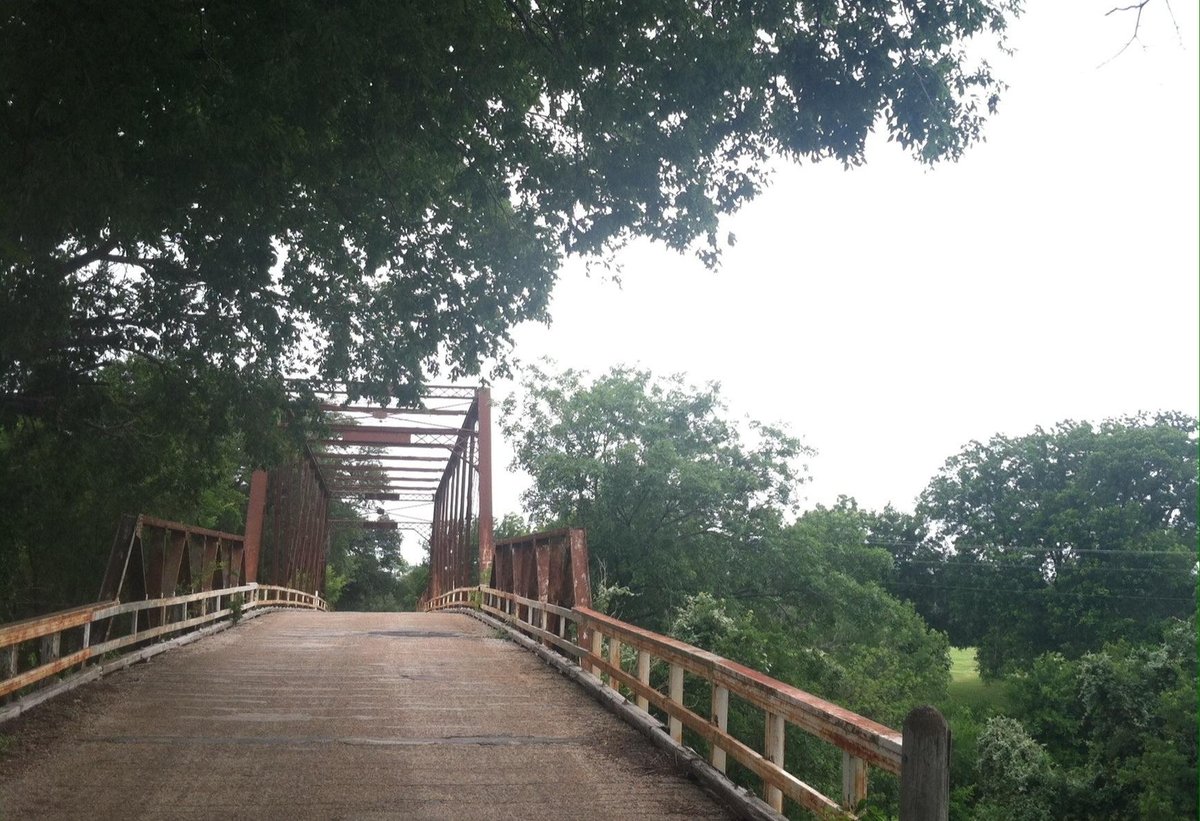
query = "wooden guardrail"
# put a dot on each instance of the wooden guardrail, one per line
(596, 641)
(36, 649)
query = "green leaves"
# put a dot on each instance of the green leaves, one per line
(362, 191)
(1067, 538)
(671, 493)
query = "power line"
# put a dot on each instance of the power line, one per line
(1069, 551)
(1038, 568)
(1053, 592)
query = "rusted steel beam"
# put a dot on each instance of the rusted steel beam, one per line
(383, 413)
(366, 436)
(380, 481)
(374, 487)
(362, 468)
(366, 525)
(328, 456)
(118, 556)
(382, 443)
(392, 497)
(531, 538)
(581, 580)
(172, 563)
(255, 517)
(155, 545)
(361, 389)
(199, 531)
(410, 430)
(468, 461)
(487, 542)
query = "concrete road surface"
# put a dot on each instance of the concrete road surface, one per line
(302, 715)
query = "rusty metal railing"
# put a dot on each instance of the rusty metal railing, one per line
(40, 648)
(595, 640)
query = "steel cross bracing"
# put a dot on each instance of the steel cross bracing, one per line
(434, 454)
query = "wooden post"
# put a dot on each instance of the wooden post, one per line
(675, 693)
(854, 780)
(50, 648)
(720, 719)
(773, 752)
(597, 645)
(8, 668)
(643, 674)
(925, 767)
(614, 658)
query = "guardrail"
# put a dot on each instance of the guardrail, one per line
(596, 641)
(36, 649)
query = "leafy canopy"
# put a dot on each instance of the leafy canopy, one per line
(670, 494)
(1059, 540)
(363, 190)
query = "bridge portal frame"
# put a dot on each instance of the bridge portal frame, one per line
(387, 453)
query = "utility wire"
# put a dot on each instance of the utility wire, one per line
(1070, 551)
(1038, 568)
(1053, 592)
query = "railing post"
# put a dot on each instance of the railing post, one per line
(614, 658)
(643, 674)
(720, 719)
(597, 648)
(50, 647)
(925, 767)
(773, 752)
(675, 693)
(854, 780)
(8, 666)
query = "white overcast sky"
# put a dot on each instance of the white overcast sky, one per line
(890, 314)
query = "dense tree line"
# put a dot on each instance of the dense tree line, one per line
(1066, 557)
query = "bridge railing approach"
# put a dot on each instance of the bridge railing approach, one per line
(597, 640)
(37, 649)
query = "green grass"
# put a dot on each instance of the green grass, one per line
(967, 689)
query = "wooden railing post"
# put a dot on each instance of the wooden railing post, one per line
(50, 648)
(614, 658)
(8, 667)
(597, 646)
(773, 752)
(925, 767)
(675, 693)
(854, 780)
(643, 674)
(720, 719)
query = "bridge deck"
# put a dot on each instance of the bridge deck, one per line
(344, 715)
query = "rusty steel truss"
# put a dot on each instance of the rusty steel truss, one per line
(434, 454)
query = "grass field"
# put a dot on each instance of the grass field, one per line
(966, 688)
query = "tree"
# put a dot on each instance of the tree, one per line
(672, 497)
(1067, 538)
(1120, 724)
(810, 609)
(358, 191)
(367, 570)
(62, 493)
